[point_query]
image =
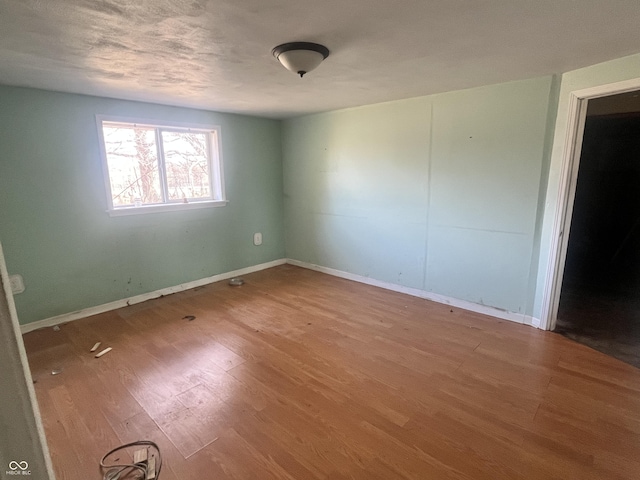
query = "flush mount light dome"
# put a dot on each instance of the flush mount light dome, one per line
(300, 57)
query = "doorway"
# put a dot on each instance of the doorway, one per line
(600, 294)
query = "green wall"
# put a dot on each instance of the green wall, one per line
(439, 193)
(55, 229)
(453, 194)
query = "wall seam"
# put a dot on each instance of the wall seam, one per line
(428, 199)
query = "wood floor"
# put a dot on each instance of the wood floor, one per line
(299, 375)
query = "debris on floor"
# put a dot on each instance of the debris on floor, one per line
(95, 347)
(189, 317)
(103, 352)
(56, 371)
(236, 282)
(56, 328)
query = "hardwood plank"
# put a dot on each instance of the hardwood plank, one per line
(88, 453)
(299, 375)
(142, 427)
(66, 460)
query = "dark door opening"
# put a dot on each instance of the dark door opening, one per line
(600, 296)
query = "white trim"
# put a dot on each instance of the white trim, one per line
(106, 307)
(608, 89)
(577, 111)
(165, 207)
(415, 292)
(215, 162)
(217, 168)
(564, 208)
(533, 321)
(156, 123)
(14, 340)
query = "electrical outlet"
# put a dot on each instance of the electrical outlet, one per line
(257, 238)
(16, 283)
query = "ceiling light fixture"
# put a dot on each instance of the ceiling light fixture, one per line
(300, 57)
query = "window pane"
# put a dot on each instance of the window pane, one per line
(186, 165)
(132, 161)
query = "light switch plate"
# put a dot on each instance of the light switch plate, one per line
(17, 284)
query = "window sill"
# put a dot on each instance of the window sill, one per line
(165, 207)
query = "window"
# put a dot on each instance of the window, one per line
(150, 167)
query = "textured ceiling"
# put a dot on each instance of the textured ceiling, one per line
(216, 54)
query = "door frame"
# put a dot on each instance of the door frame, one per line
(577, 111)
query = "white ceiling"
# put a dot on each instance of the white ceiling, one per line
(216, 54)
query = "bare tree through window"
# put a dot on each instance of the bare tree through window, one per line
(187, 165)
(133, 165)
(150, 165)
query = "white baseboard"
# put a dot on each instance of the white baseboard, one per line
(86, 312)
(415, 292)
(533, 321)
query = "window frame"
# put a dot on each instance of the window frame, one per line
(216, 168)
